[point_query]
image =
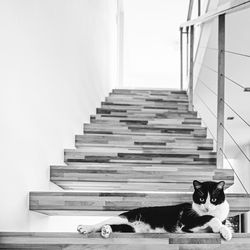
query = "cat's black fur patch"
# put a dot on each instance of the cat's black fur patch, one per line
(122, 228)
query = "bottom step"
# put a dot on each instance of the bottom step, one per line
(121, 241)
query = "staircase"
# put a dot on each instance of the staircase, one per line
(142, 148)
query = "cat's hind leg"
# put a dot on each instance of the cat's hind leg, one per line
(85, 229)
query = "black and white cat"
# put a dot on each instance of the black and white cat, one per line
(207, 212)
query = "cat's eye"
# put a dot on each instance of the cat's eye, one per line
(213, 199)
(202, 199)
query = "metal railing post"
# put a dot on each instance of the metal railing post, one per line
(191, 68)
(199, 8)
(181, 58)
(221, 90)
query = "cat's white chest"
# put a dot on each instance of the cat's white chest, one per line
(221, 211)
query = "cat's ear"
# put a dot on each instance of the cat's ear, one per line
(220, 185)
(197, 184)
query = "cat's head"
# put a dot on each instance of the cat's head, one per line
(207, 195)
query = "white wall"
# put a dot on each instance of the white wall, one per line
(56, 65)
(151, 42)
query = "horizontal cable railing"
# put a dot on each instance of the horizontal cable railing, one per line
(246, 89)
(231, 166)
(223, 77)
(229, 163)
(226, 51)
(235, 142)
(205, 104)
(235, 112)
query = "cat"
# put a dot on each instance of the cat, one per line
(207, 212)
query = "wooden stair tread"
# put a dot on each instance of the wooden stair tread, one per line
(151, 90)
(145, 111)
(144, 132)
(161, 139)
(138, 107)
(111, 203)
(128, 165)
(174, 127)
(140, 120)
(122, 241)
(123, 155)
(160, 152)
(134, 179)
(143, 103)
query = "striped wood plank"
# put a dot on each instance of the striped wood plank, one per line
(144, 131)
(157, 140)
(145, 121)
(134, 241)
(112, 203)
(81, 155)
(137, 178)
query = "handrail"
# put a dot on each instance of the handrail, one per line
(223, 9)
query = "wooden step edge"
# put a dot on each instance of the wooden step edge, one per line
(144, 146)
(94, 239)
(122, 241)
(113, 124)
(142, 165)
(150, 89)
(169, 138)
(97, 203)
(108, 179)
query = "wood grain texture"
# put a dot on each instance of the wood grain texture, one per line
(138, 178)
(138, 156)
(80, 203)
(134, 241)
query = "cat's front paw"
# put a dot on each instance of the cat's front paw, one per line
(84, 229)
(226, 232)
(106, 231)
